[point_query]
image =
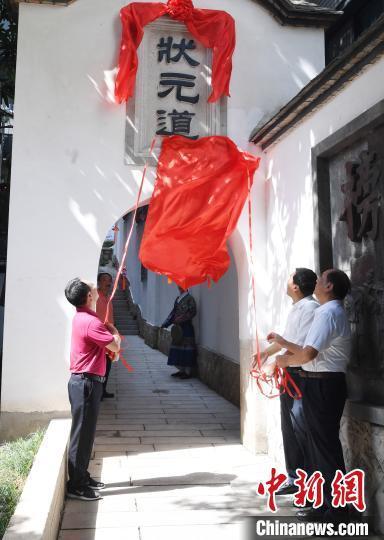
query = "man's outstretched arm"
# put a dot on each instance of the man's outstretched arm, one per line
(299, 358)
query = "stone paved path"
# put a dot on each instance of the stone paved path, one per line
(170, 453)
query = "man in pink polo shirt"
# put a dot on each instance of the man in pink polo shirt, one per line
(90, 338)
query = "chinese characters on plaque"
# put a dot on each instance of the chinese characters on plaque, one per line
(180, 121)
(172, 88)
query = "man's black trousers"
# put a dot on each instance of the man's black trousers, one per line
(84, 396)
(323, 405)
(108, 369)
(292, 421)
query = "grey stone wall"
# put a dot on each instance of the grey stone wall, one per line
(363, 446)
(150, 334)
(164, 340)
(220, 373)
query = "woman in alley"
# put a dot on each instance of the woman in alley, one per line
(182, 353)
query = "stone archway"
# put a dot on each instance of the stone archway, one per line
(227, 374)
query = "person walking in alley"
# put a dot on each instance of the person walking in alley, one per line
(323, 359)
(104, 283)
(182, 353)
(300, 287)
(90, 338)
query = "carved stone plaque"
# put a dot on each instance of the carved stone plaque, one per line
(173, 84)
(351, 210)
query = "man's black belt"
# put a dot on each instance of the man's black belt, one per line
(321, 374)
(91, 376)
(293, 369)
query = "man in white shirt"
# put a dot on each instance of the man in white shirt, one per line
(300, 287)
(323, 360)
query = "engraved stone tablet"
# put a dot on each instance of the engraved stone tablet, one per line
(173, 84)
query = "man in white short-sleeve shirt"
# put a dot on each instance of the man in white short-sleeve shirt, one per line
(330, 335)
(323, 360)
(300, 287)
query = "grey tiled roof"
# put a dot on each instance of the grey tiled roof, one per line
(329, 5)
(303, 12)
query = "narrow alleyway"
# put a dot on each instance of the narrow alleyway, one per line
(170, 453)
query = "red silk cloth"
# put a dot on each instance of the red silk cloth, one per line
(200, 190)
(212, 28)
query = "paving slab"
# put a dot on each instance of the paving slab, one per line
(170, 454)
(201, 532)
(131, 533)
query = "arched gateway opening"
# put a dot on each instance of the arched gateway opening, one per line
(144, 299)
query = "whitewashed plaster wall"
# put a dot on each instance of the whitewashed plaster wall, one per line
(70, 184)
(290, 223)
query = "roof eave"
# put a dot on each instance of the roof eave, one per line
(366, 50)
(287, 13)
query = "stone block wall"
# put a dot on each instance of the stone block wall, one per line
(220, 373)
(363, 446)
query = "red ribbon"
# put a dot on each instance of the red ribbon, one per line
(116, 283)
(212, 28)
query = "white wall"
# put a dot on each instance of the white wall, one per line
(290, 224)
(69, 181)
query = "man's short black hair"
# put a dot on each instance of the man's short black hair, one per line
(76, 292)
(341, 283)
(101, 274)
(305, 279)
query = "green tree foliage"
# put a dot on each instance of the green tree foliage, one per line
(8, 45)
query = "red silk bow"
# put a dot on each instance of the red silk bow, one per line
(212, 28)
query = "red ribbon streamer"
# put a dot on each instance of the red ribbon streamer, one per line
(212, 28)
(280, 381)
(125, 252)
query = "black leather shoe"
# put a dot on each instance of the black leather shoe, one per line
(287, 489)
(94, 484)
(86, 494)
(108, 395)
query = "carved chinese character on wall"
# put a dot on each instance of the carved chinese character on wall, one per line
(362, 207)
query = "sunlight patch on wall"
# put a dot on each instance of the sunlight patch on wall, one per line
(87, 221)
